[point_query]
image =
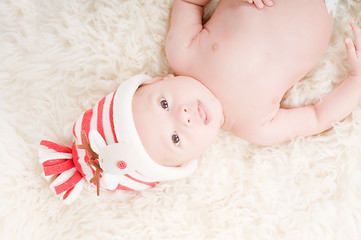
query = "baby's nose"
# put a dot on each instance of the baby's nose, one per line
(185, 117)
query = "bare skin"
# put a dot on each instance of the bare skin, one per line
(248, 58)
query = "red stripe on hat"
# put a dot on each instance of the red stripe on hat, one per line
(100, 119)
(52, 162)
(85, 125)
(152, 184)
(86, 158)
(51, 168)
(67, 193)
(112, 119)
(74, 130)
(76, 160)
(70, 183)
(56, 147)
(124, 188)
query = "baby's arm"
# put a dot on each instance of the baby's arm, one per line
(313, 119)
(185, 25)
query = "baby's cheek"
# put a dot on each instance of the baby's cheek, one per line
(209, 137)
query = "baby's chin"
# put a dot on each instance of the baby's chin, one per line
(172, 164)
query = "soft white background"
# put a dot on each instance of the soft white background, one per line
(58, 58)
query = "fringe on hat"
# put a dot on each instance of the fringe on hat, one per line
(58, 165)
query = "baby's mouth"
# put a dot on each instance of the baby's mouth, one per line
(204, 113)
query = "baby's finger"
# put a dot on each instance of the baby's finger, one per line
(357, 33)
(259, 4)
(351, 50)
(268, 3)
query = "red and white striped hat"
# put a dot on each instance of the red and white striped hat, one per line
(110, 133)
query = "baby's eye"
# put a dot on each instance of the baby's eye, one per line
(164, 104)
(175, 139)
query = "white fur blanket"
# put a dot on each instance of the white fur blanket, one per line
(59, 57)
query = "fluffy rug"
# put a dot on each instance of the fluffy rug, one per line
(58, 58)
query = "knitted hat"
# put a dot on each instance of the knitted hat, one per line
(107, 150)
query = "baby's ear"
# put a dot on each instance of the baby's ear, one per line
(157, 79)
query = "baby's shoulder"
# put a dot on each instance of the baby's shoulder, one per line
(249, 122)
(183, 57)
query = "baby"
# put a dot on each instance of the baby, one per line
(107, 150)
(233, 72)
(242, 61)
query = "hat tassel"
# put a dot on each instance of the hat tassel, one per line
(58, 166)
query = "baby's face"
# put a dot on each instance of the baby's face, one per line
(177, 119)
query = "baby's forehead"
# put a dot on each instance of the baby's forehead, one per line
(159, 84)
(175, 85)
(180, 82)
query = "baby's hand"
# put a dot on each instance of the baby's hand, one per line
(260, 3)
(353, 48)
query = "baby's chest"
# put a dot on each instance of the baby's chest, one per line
(246, 100)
